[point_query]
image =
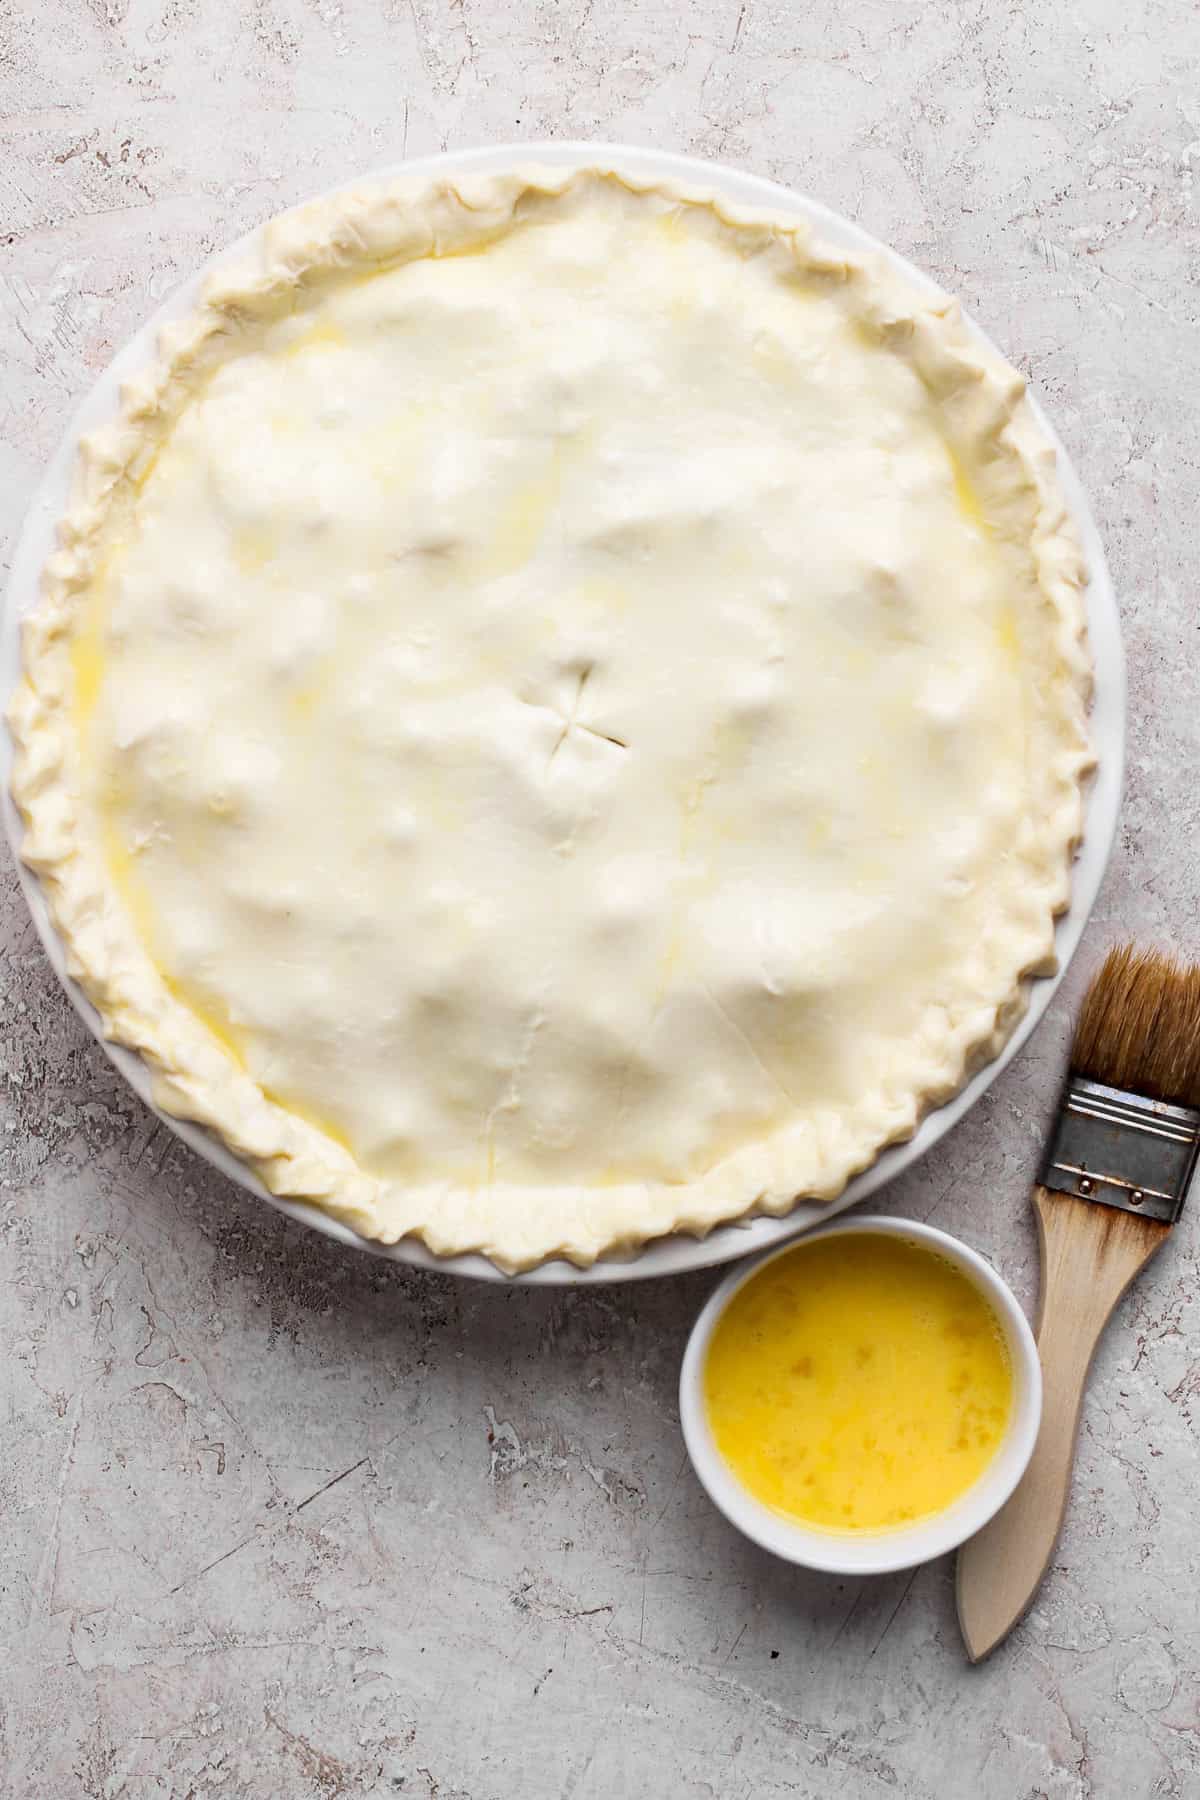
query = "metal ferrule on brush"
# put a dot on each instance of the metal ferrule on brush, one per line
(1123, 1150)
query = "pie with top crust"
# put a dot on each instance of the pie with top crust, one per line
(559, 710)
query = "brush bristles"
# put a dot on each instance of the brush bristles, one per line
(1139, 1028)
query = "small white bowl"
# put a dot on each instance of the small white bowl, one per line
(869, 1553)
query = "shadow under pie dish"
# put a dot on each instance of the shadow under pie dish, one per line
(559, 711)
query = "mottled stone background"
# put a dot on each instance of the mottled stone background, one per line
(283, 1521)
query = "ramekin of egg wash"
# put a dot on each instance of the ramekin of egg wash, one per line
(862, 1399)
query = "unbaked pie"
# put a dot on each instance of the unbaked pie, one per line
(559, 711)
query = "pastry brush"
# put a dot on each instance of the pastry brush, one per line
(1113, 1184)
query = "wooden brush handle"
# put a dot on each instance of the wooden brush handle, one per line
(1090, 1254)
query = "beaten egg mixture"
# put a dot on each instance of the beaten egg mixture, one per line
(858, 1383)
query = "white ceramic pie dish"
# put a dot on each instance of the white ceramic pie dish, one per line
(676, 1253)
(874, 1552)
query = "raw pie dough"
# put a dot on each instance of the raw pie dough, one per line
(559, 711)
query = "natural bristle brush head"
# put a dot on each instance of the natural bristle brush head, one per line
(1139, 1027)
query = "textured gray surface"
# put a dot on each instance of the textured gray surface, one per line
(283, 1521)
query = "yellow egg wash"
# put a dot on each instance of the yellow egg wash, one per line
(858, 1383)
(969, 503)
